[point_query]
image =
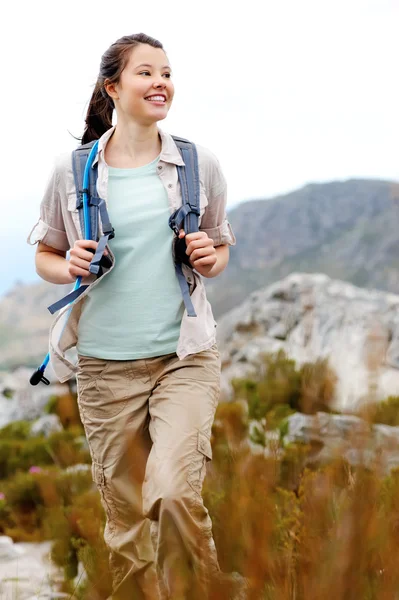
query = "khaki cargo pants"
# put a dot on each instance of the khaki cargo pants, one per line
(148, 424)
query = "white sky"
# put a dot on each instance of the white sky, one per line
(284, 92)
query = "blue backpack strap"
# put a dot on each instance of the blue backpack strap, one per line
(187, 215)
(97, 210)
(79, 159)
(53, 308)
(97, 207)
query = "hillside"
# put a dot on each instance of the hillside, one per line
(347, 230)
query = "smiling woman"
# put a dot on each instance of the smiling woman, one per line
(148, 372)
(116, 62)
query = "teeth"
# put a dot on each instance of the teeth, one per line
(156, 98)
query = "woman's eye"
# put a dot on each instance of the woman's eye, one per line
(167, 75)
(144, 73)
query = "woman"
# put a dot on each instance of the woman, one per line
(148, 374)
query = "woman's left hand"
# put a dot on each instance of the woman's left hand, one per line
(200, 250)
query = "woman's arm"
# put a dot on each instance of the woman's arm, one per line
(52, 266)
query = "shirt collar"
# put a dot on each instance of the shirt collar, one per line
(169, 151)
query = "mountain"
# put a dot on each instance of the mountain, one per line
(345, 229)
(25, 322)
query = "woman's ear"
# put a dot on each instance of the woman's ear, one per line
(110, 88)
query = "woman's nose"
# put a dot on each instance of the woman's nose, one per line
(160, 84)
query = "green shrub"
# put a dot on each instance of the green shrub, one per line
(20, 455)
(66, 447)
(318, 384)
(18, 430)
(51, 406)
(386, 412)
(283, 428)
(32, 501)
(257, 434)
(278, 415)
(280, 383)
(63, 448)
(78, 533)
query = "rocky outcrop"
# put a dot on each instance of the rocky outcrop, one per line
(19, 401)
(347, 437)
(312, 317)
(27, 573)
(46, 425)
(330, 437)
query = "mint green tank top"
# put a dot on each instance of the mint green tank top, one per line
(136, 311)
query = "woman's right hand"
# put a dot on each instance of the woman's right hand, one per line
(80, 257)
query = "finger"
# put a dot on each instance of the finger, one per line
(196, 235)
(198, 242)
(86, 244)
(202, 252)
(201, 243)
(182, 233)
(81, 253)
(78, 262)
(77, 272)
(205, 262)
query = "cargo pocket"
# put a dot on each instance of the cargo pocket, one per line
(199, 459)
(106, 496)
(90, 369)
(103, 388)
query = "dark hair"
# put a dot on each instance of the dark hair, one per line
(113, 61)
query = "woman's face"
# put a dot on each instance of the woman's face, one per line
(145, 91)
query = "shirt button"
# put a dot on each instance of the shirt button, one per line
(170, 185)
(159, 167)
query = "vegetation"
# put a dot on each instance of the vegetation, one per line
(386, 412)
(63, 449)
(296, 529)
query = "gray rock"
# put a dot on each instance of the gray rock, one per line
(8, 550)
(28, 573)
(46, 425)
(310, 317)
(27, 402)
(346, 436)
(79, 468)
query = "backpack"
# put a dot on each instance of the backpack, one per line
(93, 209)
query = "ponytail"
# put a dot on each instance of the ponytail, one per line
(99, 115)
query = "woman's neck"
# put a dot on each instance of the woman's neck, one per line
(132, 145)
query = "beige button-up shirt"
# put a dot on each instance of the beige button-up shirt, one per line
(59, 227)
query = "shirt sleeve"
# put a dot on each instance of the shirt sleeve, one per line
(50, 228)
(214, 220)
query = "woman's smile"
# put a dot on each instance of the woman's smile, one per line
(159, 99)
